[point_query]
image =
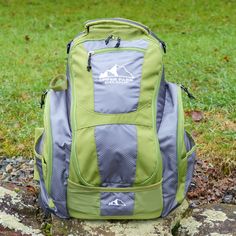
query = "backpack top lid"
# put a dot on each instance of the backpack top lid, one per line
(121, 21)
(103, 23)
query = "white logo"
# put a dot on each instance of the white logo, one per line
(116, 75)
(117, 202)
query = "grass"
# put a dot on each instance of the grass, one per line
(201, 54)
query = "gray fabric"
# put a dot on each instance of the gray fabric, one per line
(191, 160)
(117, 203)
(161, 100)
(167, 135)
(99, 44)
(61, 138)
(39, 144)
(117, 153)
(188, 140)
(117, 77)
(190, 168)
(43, 192)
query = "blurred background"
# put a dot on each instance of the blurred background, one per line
(201, 54)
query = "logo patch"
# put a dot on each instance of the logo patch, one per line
(116, 202)
(116, 75)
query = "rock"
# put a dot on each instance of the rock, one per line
(9, 168)
(215, 219)
(160, 226)
(18, 213)
(228, 198)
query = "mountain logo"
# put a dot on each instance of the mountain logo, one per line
(116, 75)
(116, 202)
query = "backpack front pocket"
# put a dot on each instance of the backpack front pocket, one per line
(114, 155)
(125, 203)
(116, 74)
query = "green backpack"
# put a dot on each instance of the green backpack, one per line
(113, 144)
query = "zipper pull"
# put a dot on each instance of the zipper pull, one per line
(43, 96)
(118, 42)
(89, 67)
(163, 46)
(108, 39)
(68, 47)
(186, 91)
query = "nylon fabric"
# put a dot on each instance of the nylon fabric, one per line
(167, 139)
(95, 45)
(117, 153)
(117, 77)
(61, 137)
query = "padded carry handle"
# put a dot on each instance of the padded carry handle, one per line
(58, 83)
(123, 21)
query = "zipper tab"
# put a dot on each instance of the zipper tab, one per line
(43, 96)
(187, 92)
(68, 47)
(108, 39)
(163, 46)
(89, 67)
(118, 42)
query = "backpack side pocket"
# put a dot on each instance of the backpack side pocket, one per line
(177, 148)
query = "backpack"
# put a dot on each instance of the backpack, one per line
(113, 144)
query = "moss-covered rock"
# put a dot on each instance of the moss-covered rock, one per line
(155, 227)
(215, 219)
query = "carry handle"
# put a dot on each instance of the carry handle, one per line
(135, 24)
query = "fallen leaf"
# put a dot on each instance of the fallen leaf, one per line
(27, 37)
(197, 116)
(226, 58)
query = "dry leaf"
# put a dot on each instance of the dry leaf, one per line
(27, 37)
(197, 116)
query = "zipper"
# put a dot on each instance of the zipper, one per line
(113, 189)
(110, 37)
(136, 24)
(43, 96)
(104, 50)
(187, 92)
(68, 47)
(107, 40)
(121, 20)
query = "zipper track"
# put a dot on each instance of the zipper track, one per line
(107, 50)
(121, 20)
(104, 50)
(114, 189)
(149, 32)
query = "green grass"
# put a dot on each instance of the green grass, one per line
(201, 54)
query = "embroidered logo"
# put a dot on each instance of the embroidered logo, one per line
(116, 75)
(117, 202)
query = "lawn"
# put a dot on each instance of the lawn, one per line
(201, 54)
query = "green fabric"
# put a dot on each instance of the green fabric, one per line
(181, 151)
(83, 198)
(83, 165)
(84, 201)
(113, 23)
(47, 150)
(37, 135)
(83, 107)
(104, 50)
(58, 83)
